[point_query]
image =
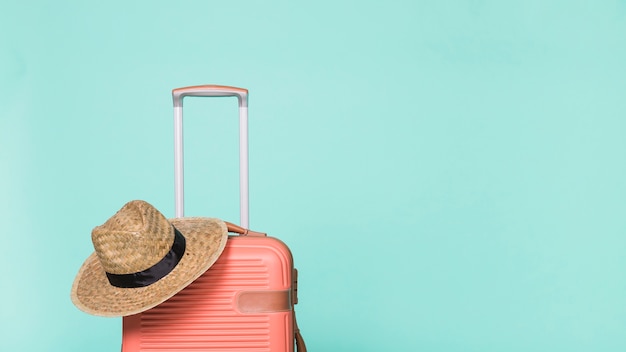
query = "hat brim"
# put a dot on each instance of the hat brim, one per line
(93, 294)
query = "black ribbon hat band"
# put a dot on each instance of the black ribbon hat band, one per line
(157, 271)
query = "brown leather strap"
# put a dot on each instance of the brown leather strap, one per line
(243, 231)
(300, 346)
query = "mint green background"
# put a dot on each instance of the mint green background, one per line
(449, 175)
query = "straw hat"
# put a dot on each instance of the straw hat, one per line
(141, 259)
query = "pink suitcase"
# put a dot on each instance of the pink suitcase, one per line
(245, 301)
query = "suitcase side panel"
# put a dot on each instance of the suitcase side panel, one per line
(206, 315)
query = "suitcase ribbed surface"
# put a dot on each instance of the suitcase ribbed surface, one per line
(202, 316)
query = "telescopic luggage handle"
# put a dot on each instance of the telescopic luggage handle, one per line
(211, 91)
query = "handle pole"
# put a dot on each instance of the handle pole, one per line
(179, 193)
(243, 168)
(211, 91)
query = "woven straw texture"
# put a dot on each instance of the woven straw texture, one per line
(134, 239)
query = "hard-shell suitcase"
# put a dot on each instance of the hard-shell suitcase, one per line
(245, 301)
